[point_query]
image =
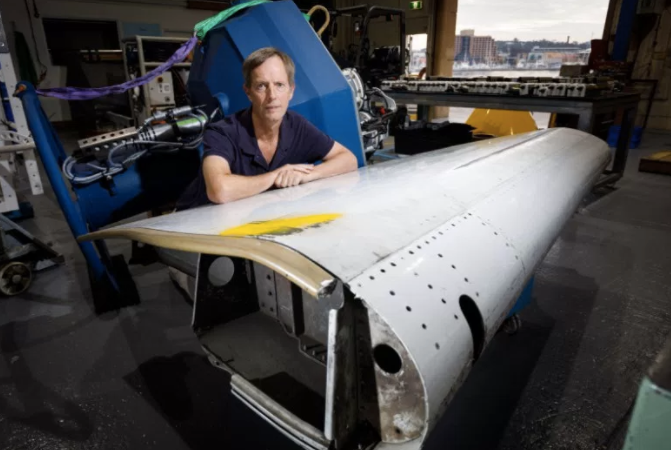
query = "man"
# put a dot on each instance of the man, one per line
(265, 146)
(259, 148)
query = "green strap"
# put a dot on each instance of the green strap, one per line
(204, 27)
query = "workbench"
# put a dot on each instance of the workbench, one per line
(586, 109)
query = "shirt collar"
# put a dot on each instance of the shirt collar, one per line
(253, 148)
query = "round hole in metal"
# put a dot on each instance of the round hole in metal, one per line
(453, 266)
(270, 293)
(466, 280)
(221, 271)
(430, 287)
(268, 277)
(424, 326)
(372, 277)
(443, 300)
(393, 264)
(411, 252)
(392, 292)
(387, 359)
(408, 308)
(382, 270)
(437, 346)
(440, 255)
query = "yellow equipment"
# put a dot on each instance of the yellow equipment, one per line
(496, 122)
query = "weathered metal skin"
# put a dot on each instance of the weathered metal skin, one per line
(432, 252)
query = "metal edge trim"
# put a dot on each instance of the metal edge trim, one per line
(293, 265)
(296, 429)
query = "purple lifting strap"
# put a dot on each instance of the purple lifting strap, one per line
(72, 93)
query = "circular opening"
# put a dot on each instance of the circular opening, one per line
(408, 308)
(387, 358)
(443, 300)
(397, 430)
(393, 264)
(221, 271)
(440, 255)
(382, 270)
(392, 292)
(372, 277)
(424, 326)
(437, 346)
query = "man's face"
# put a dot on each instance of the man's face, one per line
(270, 91)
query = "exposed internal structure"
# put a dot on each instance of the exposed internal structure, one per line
(325, 371)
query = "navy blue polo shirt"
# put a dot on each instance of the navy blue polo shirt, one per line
(233, 139)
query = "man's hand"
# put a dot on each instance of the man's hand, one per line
(292, 175)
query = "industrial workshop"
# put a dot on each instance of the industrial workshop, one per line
(292, 224)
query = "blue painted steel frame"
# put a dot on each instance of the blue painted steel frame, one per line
(625, 24)
(52, 154)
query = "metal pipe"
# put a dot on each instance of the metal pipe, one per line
(16, 148)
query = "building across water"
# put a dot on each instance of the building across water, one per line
(474, 49)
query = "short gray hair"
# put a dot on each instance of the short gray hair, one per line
(258, 57)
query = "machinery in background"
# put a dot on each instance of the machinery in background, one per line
(376, 111)
(365, 68)
(578, 87)
(104, 156)
(374, 64)
(21, 253)
(144, 53)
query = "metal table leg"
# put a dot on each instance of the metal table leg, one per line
(622, 149)
(585, 120)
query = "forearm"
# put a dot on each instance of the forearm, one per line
(342, 163)
(229, 188)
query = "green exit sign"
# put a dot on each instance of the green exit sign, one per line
(416, 5)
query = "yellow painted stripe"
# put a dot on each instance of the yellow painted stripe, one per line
(280, 226)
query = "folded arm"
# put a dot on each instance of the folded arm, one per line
(224, 187)
(337, 161)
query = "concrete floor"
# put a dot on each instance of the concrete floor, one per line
(138, 379)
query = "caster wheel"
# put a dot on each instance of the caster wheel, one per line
(15, 278)
(512, 325)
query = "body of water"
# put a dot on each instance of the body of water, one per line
(505, 73)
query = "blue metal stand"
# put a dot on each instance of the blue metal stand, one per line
(625, 25)
(52, 155)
